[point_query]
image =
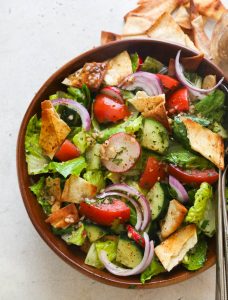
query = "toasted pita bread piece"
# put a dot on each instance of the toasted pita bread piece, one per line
(210, 8)
(165, 28)
(76, 189)
(153, 9)
(173, 219)
(209, 81)
(173, 249)
(53, 190)
(107, 37)
(151, 107)
(136, 25)
(64, 217)
(119, 67)
(206, 142)
(92, 74)
(182, 17)
(53, 129)
(191, 63)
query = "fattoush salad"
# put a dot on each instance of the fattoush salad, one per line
(124, 161)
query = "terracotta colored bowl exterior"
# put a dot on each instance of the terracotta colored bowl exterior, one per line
(71, 254)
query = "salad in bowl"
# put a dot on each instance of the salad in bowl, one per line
(124, 161)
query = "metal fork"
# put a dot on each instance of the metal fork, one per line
(221, 239)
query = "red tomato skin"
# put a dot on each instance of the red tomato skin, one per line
(153, 172)
(107, 109)
(67, 151)
(167, 81)
(178, 101)
(193, 176)
(106, 214)
(140, 62)
(134, 235)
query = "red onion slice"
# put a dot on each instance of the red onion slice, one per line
(187, 83)
(116, 270)
(141, 199)
(79, 108)
(113, 92)
(146, 81)
(182, 195)
(133, 202)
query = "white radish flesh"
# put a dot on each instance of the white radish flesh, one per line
(120, 152)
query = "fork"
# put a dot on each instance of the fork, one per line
(221, 239)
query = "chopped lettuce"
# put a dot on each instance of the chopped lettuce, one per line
(113, 177)
(109, 246)
(134, 61)
(212, 106)
(76, 237)
(36, 161)
(81, 141)
(96, 178)
(152, 270)
(132, 125)
(196, 257)
(207, 224)
(38, 189)
(194, 78)
(70, 167)
(181, 157)
(151, 65)
(127, 94)
(202, 197)
(218, 128)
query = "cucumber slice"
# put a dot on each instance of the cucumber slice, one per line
(129, 253)
(155, 137)
(92, 258)
(94, 232)
(158, 201)
(93, 157)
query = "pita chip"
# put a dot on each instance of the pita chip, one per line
(213, 9)
(53, 130)
(182, 17)
(136, 25)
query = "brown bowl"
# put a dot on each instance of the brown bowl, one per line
(71, 254)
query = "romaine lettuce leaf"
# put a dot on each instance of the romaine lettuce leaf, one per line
(96, 178)
(196, 257)
(151, 65)
(202, 197)
(181, 157)
(153, 269)
(132, 125)
(36, 161)
(39, 190)
(81, 141)
(109, 246)
(207, 224)
(134, 61)
(70, 167)
(76, 237)
(212, 106)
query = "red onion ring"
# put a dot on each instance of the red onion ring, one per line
(182, 195)
(113, 92)
(116, 270)
(79, 108)
(188, 84)
(141, 199)
(146, 81)
(133, 202)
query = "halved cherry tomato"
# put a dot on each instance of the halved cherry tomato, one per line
(154, 171)
(140, 62)
(167, 81)
(64, 217)
(105, 213)
(134, 235)
(178, 101)
(193, 176)
(67, 151)
(107, 109)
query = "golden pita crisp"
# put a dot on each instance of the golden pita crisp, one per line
(166, 29)
(210, 8)
(136, 25)
(182, 17)
(53, 130)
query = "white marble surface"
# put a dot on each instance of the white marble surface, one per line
(36, 38)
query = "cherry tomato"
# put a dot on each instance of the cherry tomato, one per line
(154, 171)
(106, 213)
(167, 81)
(107, 109)
(134, 235)
(140, 62)
(193, 176)
(67, 151)
(178, 101)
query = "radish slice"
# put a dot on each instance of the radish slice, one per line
(120, 152)
(113, 92)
